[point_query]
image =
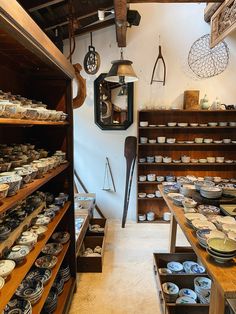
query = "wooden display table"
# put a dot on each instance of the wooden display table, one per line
(223, 275)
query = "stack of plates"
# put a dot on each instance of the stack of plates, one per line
(229, 209)
(229, 189)
(30, 290)
(65, 272)
(187, 190)
(222, 220)
(51, 303)
(202, 287)
(203, 224)
(171, 291)
(211, 192)
(204, 234)
(193, 216)
(18, 306)
(222, 250)
(59, 283)
(177, 198)
(171, 188)
(42, 274)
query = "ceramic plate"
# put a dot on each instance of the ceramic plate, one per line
(175, 266)
(52, 248)
(46, 261)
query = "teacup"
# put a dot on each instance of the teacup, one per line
(143, 140)
(161, 139)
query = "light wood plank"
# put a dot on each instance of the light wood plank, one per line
(120, 7)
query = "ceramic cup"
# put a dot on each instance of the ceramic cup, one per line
(142, 178)
(158, 158)
(167, 216)
(161, 139)
(143, 140)
(151, 177)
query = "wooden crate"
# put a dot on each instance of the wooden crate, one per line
(181, 280)
(97, 221)
(91, 264)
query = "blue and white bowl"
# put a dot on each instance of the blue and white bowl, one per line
(197, 269)
(175, 267)
(186, 292)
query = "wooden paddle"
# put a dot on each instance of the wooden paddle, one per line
(130, 153)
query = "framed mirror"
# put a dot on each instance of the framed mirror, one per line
(113, 104)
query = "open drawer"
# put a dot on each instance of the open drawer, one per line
(183, 280)
(102, 222)
(93, 264)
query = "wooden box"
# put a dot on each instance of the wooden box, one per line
(97, 221)
(91, 264)
(181, 280)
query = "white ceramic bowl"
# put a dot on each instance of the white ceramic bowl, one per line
(170, 140)
(213, 123)
(211, 159)
(6, 267)
(171, 124)
(208, 140)
(142, 178)
(194, 124)
(161, 139)
(185, 159)
(142, 195)
(226, 140)
(151, 141)
(232, 123)
(198, 140)
(167, 160)
(143, 123)
(143, 140)
(223, 123)
(182, 124)
(158, 158)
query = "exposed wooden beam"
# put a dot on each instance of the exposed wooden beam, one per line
(95, 27)
(210, 9)
(41, 4)
(174, 1)
(79, 18)
(120, 7)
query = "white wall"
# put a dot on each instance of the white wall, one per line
(178, 25)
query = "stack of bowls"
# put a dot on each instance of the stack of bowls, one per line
(41, 274)
(59, 283)
(30, 290)
(202, 287)
(11, 179)
(198, 184)
(17, 253)
(187, 296)
(17, 305)
(51, 303)
(211, 192)
(171, 291)
(222, 250)
(187, 190)
(65, 272)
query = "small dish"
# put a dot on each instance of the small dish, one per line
(152, 141)
(52, 248)
(172, 124)
(61, 237)
(164, 271)
(223, 123)
(208, 140)
(185, 300)
(182, 124)
(186, 292)
(213, 124)
(194, 124)
(150, 195)
(175, 267)
(142, 195)
(143, 123)
(46, 261)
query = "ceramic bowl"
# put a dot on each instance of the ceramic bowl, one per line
(164, 271)
(218, 141)
(3, 190)
(202, 285)
(18, 253)
(142, 178)
(232, 123)
(189, 203)
(185, 159)
(42, 220)
(171, 124)
(170, 140)
(211, 159)
(175, 267)
(142, 217)
(202, 160)
(27, 238)
(42, 274)
(182, 124)
(14, 182)
(142, 195)
(198, 140)
(220, 245)
(223, 123)
(158, 158)
(52, 248)
(39, 230)
(143, 123)
(161, 139)
(218, 257)
(208, 140)
(150, 159)
(186, 292)
(142, 159)
(213, 123)
(208, 210)
(30, 290)
(210, 192)
(151, 177)
(46, 261)
(187, 266)
(143, 140)
(226, 140)
(197, 269)
(171, 178)
(202, 224)
(171, 291)
(193, 124)
(61, 237)
(6, 267)
(167, 160)
(152, 141)
(160, 178)
(18, 306)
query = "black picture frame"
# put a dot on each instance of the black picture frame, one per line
(99, 85)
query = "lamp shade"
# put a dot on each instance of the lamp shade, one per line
(121, 72)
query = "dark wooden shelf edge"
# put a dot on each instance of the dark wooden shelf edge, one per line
(186, 144)
(65, 299)
(218, 164)
(22, 122)
(82, 233)
(15, 279)
(185, 110)
(30, 188)
(38, 306)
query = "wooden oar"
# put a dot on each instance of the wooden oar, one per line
(130, 155)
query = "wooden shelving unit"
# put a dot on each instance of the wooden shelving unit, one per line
(38, 71)
(176, 150)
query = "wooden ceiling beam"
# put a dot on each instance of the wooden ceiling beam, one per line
(120, 7)
(95, 27)
(174, 1)
(36, 5)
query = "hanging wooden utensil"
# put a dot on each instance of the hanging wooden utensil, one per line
(81, 93)
(130, 155)
(91, 59)
(159, 60)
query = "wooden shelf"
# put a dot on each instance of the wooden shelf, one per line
(191, 164)
(150, 198)
(156, 221)
(185, 127)
(30, 188)
(22, 122)
(66, 296)
(186, 144)
(38, 306)
(171, 111)
(21, 270)
(14, 235)
(149, 182)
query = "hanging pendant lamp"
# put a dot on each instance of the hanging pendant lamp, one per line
(121, 71)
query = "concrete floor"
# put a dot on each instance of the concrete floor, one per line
(126, 285)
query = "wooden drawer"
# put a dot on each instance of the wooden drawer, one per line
(91, 264)
(181, 280)
(97, 221)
